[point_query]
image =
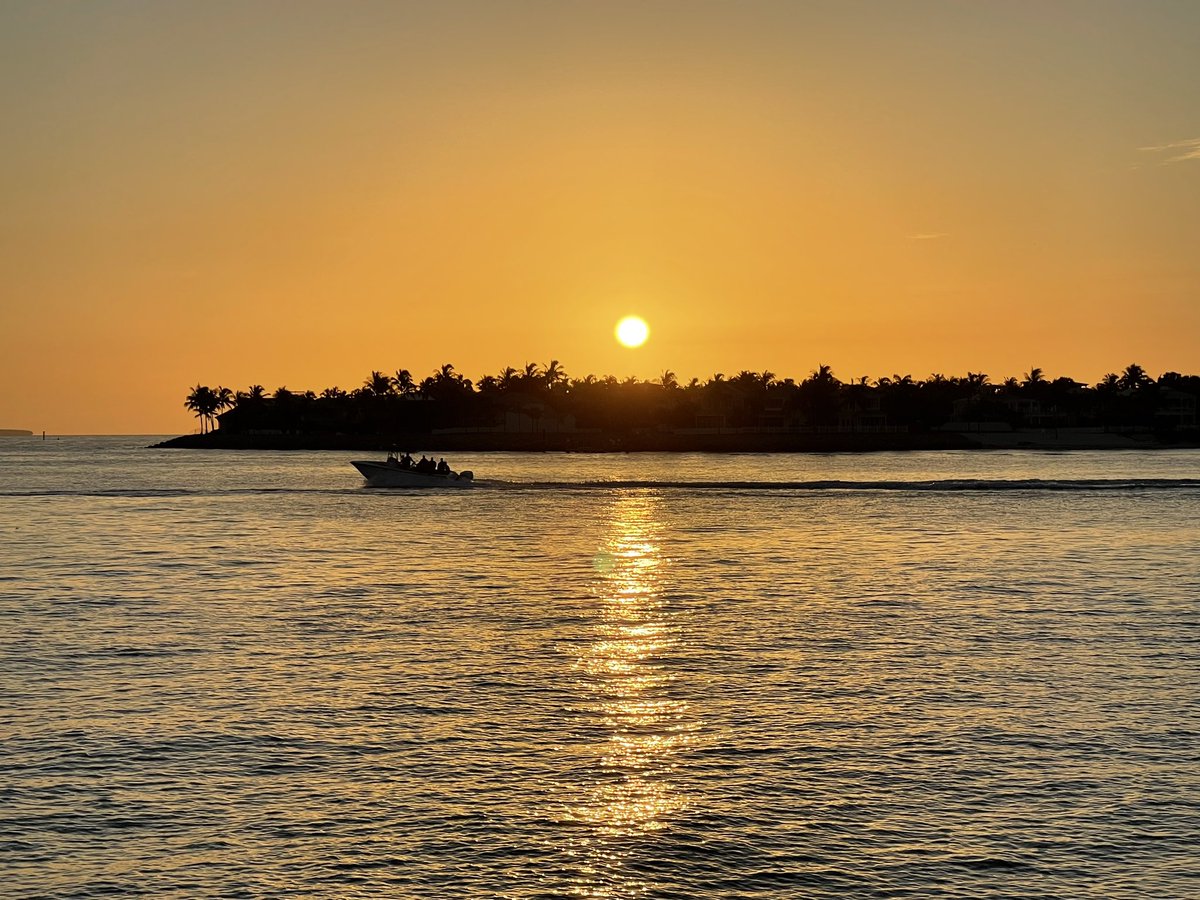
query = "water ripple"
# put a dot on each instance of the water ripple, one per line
(636, 688)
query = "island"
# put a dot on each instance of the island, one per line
(541, 408)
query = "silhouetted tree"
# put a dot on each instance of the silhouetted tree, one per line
(404, 383)
(204, 402)
(531, 376)
(252, 396)
(818, 396)
(379, 385)
(554, 374)
(978, 382)
(1134, 378)
(507, 379)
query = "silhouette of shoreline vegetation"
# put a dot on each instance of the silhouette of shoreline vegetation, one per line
(540, 407)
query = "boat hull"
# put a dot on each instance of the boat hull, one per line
(380, 474)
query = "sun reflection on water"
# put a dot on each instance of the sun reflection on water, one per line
(628, 687)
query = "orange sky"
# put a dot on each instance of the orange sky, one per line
(297, 193)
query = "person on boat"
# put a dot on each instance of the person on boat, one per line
(391, 459)
(425, 465)
(406, 461)
(443, 467)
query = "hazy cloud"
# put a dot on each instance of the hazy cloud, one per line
(1180, 151)
(928, 235)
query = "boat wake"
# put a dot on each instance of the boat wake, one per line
(945, 485)
(980, 485)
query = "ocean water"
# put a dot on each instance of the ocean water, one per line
(237, 674)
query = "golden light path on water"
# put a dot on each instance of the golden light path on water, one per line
(627, 689)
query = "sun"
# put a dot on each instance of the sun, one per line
(632, 331)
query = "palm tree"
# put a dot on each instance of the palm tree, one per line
(824, 373)
(445, 384)
(1134, 377)
(531, 375)
(856, 393)
(203, 401)
(668, 380)
(977, 382)
(252, 397)
(507, 378)
(404, 383)
(554, 374)
(378, 384)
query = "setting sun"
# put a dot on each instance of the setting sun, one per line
(632, 331)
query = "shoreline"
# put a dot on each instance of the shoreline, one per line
(728, 441)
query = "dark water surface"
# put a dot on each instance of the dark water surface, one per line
(646, 675)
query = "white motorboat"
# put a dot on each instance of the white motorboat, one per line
(393, 474)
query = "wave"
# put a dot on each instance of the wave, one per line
(981, 485)
(954, 484)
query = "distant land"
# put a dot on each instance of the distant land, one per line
(541, 408)
(15, 432)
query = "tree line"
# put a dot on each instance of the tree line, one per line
(544, 395)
